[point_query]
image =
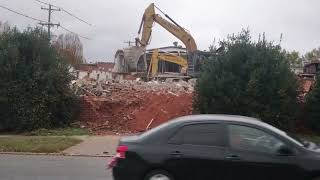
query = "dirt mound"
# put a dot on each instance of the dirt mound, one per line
(132, 106)
(158, 108)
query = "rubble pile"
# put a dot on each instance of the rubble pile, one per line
(120, 107)
(91, 87)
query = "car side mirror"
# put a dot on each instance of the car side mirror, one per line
(284, 151)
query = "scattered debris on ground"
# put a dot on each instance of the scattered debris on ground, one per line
(118, 107)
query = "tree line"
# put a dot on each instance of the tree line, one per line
(256, 78)
(243, 77)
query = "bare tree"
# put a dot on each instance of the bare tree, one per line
(4, 26)
(70, 47)
(312, 56)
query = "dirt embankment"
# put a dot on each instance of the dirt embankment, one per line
(132, 106)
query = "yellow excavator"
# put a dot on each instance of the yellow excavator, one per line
(148, 19)
(133, 59)
(168, 57)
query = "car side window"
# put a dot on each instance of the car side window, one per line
(199, 134)
(252, 139)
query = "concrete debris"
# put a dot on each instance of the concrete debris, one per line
(120, 107)
(91, 87)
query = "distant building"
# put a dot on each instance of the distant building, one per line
(170, 49)
(312, 68)
(97, 71)
(307, 79)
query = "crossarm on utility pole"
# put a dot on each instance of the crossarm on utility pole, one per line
(49, 24)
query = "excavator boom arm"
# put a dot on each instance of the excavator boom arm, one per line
(150, 17)
(146, 26)
(178, 32)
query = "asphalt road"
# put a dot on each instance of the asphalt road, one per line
(53, 168)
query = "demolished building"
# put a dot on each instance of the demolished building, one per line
(137, 61)
(97, 71)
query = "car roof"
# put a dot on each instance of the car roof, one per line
(157, 133)
(219, 117)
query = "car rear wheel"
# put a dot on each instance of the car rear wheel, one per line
(158, 175)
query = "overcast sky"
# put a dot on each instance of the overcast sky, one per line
(116, 21)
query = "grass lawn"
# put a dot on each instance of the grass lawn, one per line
(59, 132)
(36, 144)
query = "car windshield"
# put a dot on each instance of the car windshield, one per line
(289, 136)
(296, 139)
(307, 143)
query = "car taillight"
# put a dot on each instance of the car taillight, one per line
(112, 163)
(121, 152)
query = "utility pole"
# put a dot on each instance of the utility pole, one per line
(129, 42)
(49, 24)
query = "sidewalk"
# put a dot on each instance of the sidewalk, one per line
(95, 146)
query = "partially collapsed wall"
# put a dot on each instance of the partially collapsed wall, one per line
(132, 59)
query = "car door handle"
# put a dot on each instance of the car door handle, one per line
(176, 154)
(233, 157)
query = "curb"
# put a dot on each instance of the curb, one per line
(52, 154)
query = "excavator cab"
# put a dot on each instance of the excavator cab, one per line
(167, 57)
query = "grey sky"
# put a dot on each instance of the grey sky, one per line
(116, 21)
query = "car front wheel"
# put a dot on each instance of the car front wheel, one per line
(158, 175)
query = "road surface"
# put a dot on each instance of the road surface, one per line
(53, 168)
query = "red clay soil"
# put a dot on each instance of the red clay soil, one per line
(130, 112)
(159, 108)
(305, 86)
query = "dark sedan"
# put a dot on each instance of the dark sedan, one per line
(215, 147)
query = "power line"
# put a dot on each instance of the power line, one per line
(74, 33)
(35, 19)
(49, 24)
(76, 17)
(41, 21)
(69, 13)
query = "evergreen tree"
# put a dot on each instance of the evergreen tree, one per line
(35, 83)
(312, 108)
(248, 78)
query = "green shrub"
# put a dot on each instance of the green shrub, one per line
(248, 78)
(35, 83)
(312, 107)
